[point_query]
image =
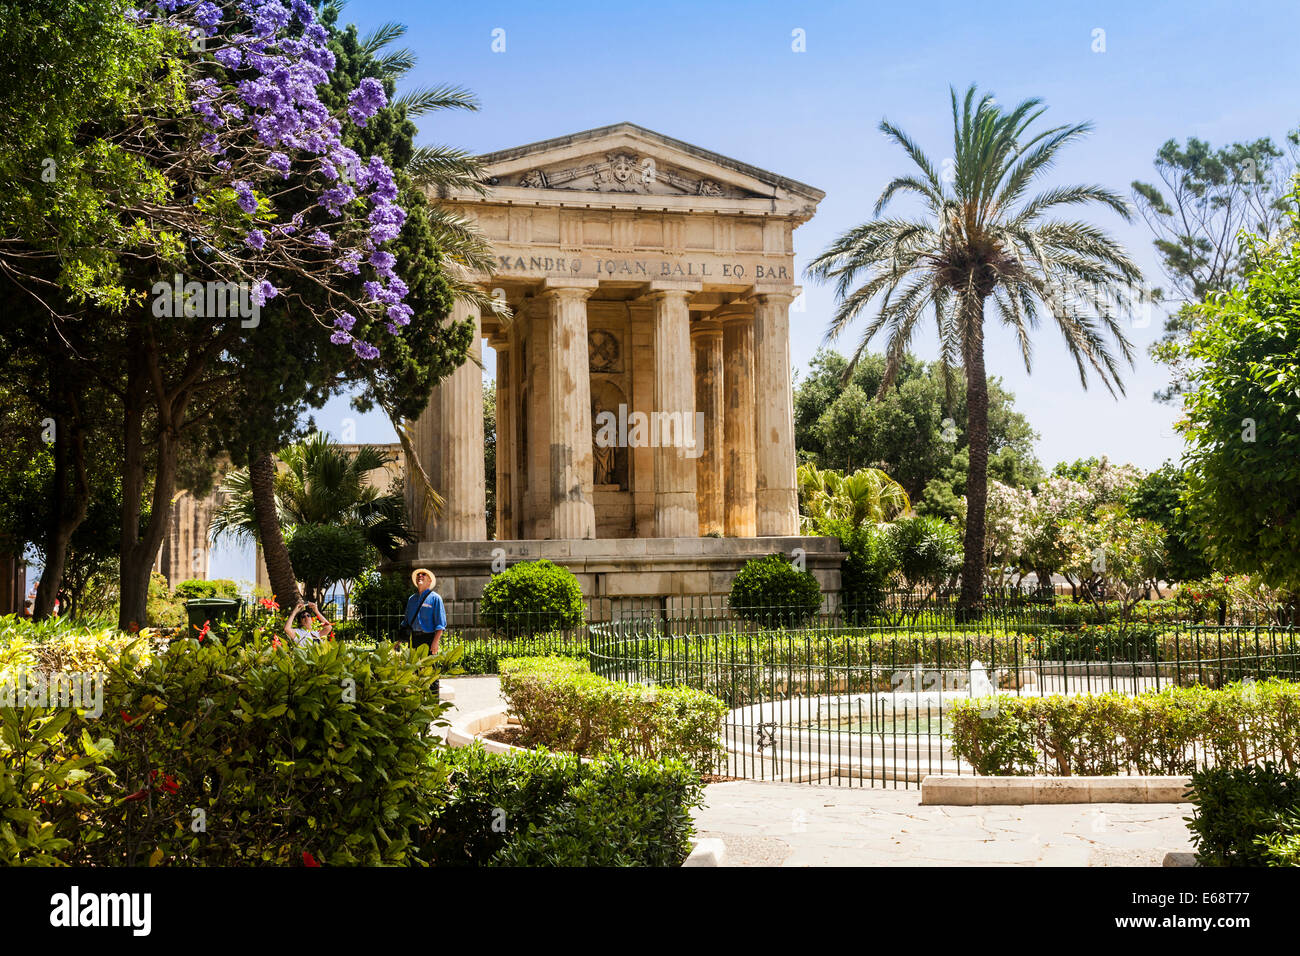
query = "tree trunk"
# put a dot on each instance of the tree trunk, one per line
(970, 604)
(67, 511)
(261, 480)
(139, 549)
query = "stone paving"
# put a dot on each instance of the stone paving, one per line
(783, 824)
(793, 824)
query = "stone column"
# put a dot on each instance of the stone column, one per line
(709, 476)
(505, 442)
(464, 515)
(572, 514)
(448, 439)
(776, 503)
(674, 401)
(738, 427)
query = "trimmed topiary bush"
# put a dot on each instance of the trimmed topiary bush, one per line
(531, 597)
(773, 592)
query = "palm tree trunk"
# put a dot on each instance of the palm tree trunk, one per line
(970, 604)
(261, 480)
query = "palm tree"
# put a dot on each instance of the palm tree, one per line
(981, 239)
(321, 484)
(866, 495)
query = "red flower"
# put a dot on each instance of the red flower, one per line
(138, 795)
(308, 859)
(204, 633)
(133, 627)
(275, 642)
(269, 604)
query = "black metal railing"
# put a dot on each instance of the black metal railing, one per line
(871, 705)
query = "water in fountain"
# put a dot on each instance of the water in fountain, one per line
(980, 685)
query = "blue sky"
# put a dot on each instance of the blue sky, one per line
(723, 76)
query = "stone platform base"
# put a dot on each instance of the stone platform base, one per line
(621, 567)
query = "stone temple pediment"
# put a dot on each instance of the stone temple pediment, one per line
(622, 162)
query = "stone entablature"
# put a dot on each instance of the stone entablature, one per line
(646, 280)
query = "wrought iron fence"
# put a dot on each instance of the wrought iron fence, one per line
(872, 705)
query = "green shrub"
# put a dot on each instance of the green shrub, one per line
(324, 554)
(929, 550)
(1245, 816)
(532, 597)
(483, 655)
(868, 571)
(319, 749)
(380, 602)
(562, 706)
(1112, 733)
(218, 587)
(54, 787)
(541, 809)
(773, 591)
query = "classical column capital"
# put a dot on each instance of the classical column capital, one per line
(774, 295)
(669, 288)
(705, 329)
(565, 288)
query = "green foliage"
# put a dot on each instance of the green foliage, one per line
(316, 749)
(380, 602)
(866, 495)
(532, 597)
(1158, 498)
(773, 591)
(1154, 733)
(483, 655)
(909, 430)
(164, 609)
(218, 587)
(868, 571)
(1245, 816)
(928, 550)
(54, 786)
(325, 554)
(542, 809)
(1242, 421)
(562, 706)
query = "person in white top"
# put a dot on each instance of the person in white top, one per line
(303, 615)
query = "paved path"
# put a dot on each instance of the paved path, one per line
(793, 824)
(785, 824)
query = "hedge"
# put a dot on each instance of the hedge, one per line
(543, 809)
(562, 706)
(1246, 816)
(773, 591)
(1167, 732)
(211, 754)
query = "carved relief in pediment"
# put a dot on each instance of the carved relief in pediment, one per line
(622, 172)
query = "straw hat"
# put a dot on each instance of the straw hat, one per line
(418, 571)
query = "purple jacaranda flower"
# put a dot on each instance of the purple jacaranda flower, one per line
(263, 292)
(366, 100)
(244, 196)
(351, 262)
(364, 350)
(345, 321)
(256, 239)
(229, 57)
(280, 163)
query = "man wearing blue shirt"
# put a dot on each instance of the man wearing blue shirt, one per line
(424, 612)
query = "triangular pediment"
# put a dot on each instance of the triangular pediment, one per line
(631, 160)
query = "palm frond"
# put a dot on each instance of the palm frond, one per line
(427, 99)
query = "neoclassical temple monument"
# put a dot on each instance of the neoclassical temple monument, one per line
(645, 433)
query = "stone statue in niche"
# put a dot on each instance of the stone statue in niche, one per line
(602, 456)
(603, 351)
